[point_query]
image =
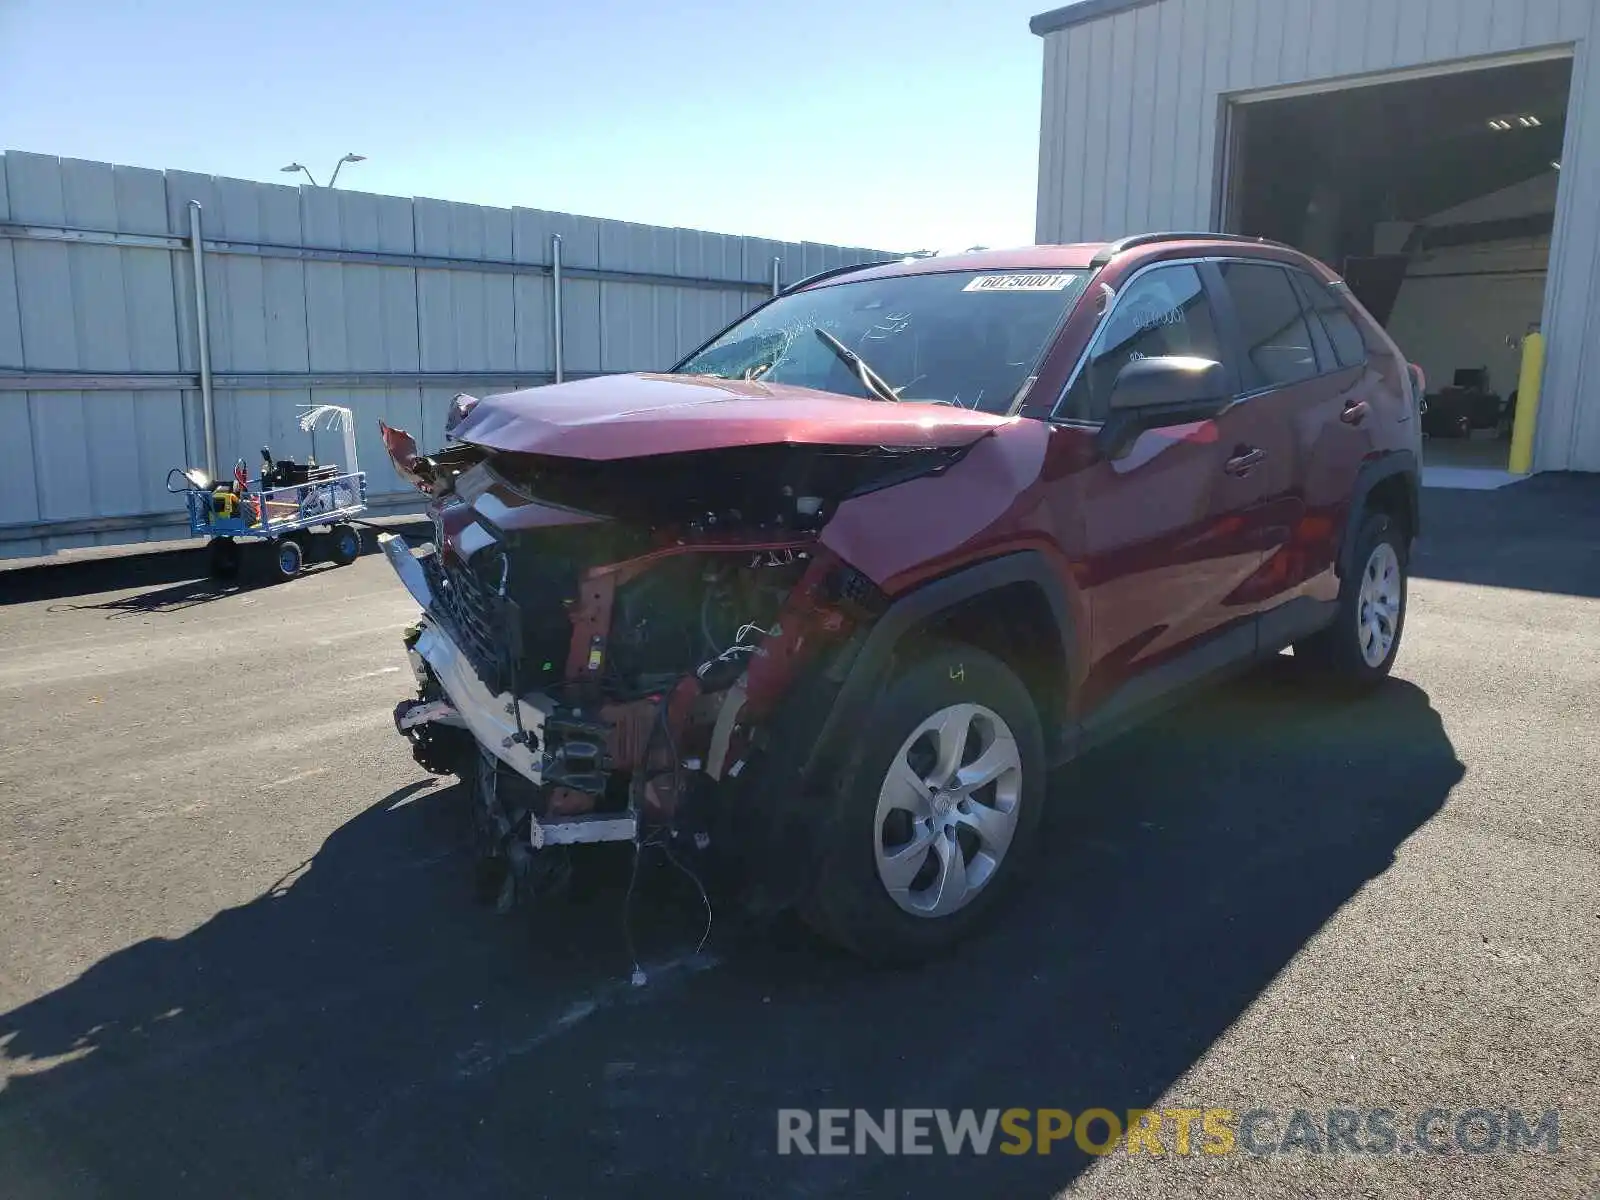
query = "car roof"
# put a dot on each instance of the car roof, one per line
(1024, 258)
(1077, 256)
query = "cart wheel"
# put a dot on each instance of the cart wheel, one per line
(346, 544)
(291, 557)
(224, 553)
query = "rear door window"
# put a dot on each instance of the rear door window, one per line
(1161, 312)
(1273, 334)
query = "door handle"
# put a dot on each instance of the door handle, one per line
(1245, 461)
(1355, 412)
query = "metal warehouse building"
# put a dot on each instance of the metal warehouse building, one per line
(1443, 154)
(383, 304)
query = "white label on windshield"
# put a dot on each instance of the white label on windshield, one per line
(1020, 283)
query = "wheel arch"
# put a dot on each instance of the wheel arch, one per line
(1003, 606)
(1391, 485)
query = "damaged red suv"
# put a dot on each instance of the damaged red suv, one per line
(830, 597)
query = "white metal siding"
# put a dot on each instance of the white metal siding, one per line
(1131, 120)
(80, 460)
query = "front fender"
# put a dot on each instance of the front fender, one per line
(867, 670)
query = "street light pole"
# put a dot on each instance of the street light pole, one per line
(348, 158)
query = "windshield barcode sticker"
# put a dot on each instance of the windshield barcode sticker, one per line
(1020, 283)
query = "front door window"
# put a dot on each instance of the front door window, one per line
(1161, 312)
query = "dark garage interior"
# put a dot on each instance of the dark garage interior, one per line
(1436, 198)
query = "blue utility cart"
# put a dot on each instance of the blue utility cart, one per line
(298, 510)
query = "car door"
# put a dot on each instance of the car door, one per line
(1359, 388)
(1167, 533)
(1305, 410)
(1278, 371)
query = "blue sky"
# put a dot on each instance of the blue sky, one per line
(898, 124)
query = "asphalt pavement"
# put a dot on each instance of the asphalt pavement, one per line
(240, 953)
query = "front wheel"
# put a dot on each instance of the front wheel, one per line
(1359, 648)
(937, 817)
(291, 556)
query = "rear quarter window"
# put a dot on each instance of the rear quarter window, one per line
(1349, 340)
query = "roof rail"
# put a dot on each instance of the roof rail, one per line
(1107, 253)
(832, 271)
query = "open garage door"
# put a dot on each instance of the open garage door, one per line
(1435, 197)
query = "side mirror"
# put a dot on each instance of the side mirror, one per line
(460, 406)
(1151, 393)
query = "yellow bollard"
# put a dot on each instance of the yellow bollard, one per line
(1522, 424)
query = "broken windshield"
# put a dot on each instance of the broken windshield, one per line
(968, 338)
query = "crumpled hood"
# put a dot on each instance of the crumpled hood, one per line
(630, 416)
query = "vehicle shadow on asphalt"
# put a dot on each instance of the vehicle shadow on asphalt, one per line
(70, 580)
(363, 1029)
(188, 594)
(175, 578)
(176, 598)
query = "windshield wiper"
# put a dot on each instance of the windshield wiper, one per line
(870, 379)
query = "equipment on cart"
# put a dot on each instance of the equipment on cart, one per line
(293, 506)
(1466, 405)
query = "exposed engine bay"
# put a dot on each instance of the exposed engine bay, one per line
(607, 647)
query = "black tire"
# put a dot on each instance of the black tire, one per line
(344, 544)
(849, 903)
(1337, 651)
(289, 556)
(223, 555)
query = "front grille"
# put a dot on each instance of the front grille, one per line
(469, 610)
(518, 640)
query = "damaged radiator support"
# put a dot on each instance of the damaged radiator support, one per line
(579, 761)
(617, 648)
(576, 767)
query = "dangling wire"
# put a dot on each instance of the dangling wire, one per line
(705, 899)
(740, 646)
(663, 725)
(638, 977)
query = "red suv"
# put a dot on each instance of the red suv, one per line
(828, 599)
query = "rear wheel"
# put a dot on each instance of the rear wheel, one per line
(224, 557)
(1359, 648)
(345, 544)
(937, 818)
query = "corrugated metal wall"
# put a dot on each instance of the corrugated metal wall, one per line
(1132, 117)
(384, 304)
